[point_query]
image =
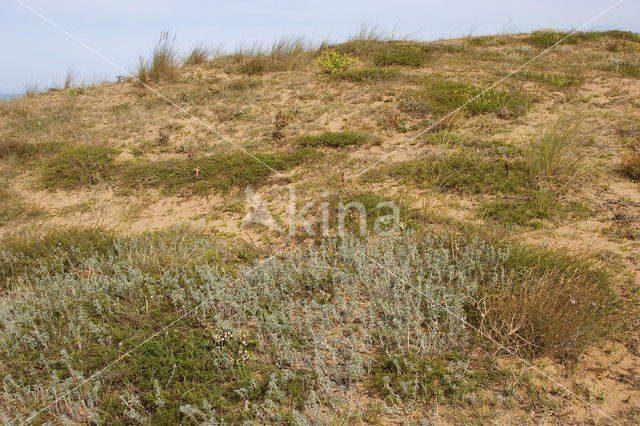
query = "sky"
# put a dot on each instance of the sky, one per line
(36, 53)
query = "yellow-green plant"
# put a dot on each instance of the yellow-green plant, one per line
(333, 62)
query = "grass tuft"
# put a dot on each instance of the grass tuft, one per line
(198, 56)
(163, 64)
(630, 162)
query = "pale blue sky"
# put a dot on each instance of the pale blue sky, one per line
(33, 51)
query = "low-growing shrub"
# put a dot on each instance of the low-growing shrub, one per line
(549, 38)
(334, 139)
(411, 55)
(333, 62)
(205, 174)
(614, 34)
(77, 166)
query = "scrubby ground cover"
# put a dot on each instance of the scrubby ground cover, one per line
(517, 243)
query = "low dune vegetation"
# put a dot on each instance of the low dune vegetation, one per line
(381, 230)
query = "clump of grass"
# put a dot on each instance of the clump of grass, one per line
(163, 64)
(333, 62)
(198, 56)
(253, 66)
(205, 174)
(553, 305)
(552, 164)
(548, 38)
(443, 96)
(77, 166)
(630, 162)
(403, 54)
(334, 139)
(284, 55)
(554, 161)
(368, 74)
(560, 81)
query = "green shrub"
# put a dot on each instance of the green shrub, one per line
(547, 39)
(334, 139)
(77, 166)
(333, 62)
(411, 55)
(527, 211)
(486, 41)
